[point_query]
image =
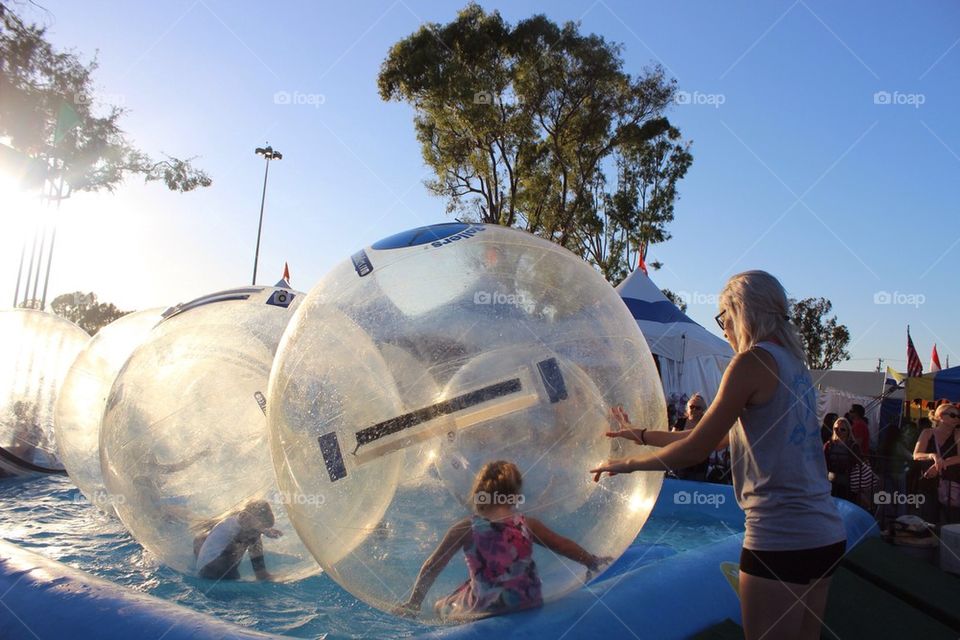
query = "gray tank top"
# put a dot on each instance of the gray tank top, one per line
(778, 467)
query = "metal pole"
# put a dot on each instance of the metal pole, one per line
(23, 253)
(263, 199)
(36, 280)
(53, 241)
(33, 252)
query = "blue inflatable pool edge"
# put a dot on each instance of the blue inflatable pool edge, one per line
(42, 598)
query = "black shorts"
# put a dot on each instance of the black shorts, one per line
(797, 567)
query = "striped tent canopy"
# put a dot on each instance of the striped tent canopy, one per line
(932, 386)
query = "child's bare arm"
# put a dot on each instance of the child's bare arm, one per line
(452, 542)
(566, 547)
(256, 559)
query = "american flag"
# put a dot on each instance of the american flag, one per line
(914, 366)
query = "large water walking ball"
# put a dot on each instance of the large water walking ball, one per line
(183, 442)
(83, 398)
(430, 353)
(36, 351)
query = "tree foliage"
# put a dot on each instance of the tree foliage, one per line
(823, 339)
(521, 123)
(47, 114)
(83, 310)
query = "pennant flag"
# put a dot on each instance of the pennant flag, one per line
(914, 366)
(935, 360)
(641, 264)
(894, 379)
(286, 274)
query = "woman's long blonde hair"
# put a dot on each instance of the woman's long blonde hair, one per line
(757, 304)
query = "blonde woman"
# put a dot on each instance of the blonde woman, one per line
(938, 447)
(766, 409)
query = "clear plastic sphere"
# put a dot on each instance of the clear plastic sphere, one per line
(183, 441)
(83, 398)
(36, 351)
(427, 355)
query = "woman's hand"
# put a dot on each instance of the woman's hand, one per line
(612, 468)
(619, 414)
(932, 472)
(625, 431)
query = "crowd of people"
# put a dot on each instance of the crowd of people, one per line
(916, 466)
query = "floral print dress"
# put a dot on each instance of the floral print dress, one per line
(503, 575)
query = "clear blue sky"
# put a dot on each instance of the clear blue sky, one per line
(799, 171)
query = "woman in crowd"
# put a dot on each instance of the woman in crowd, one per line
(937, 450)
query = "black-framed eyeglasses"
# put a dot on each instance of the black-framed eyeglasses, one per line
(720, 321)
(697, 407)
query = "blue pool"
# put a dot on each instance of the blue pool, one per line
(51, 517)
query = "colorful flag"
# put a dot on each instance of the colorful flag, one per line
(935, 360)
(914, 366)
(894, 379)
(640, 260)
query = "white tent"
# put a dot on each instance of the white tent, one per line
(691, 359)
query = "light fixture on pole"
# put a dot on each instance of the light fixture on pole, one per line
(269, 153)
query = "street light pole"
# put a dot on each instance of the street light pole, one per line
(269, 154)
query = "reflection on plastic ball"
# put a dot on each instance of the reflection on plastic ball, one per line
(183, 441)
(83, 398)
(431, 353)
(36, 351)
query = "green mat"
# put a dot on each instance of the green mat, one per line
(858, 608)
(878, 592)
(917, 583)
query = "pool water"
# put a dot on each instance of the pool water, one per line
(51, 517)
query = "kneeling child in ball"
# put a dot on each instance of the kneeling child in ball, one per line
(497, 543)
(220, 548)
